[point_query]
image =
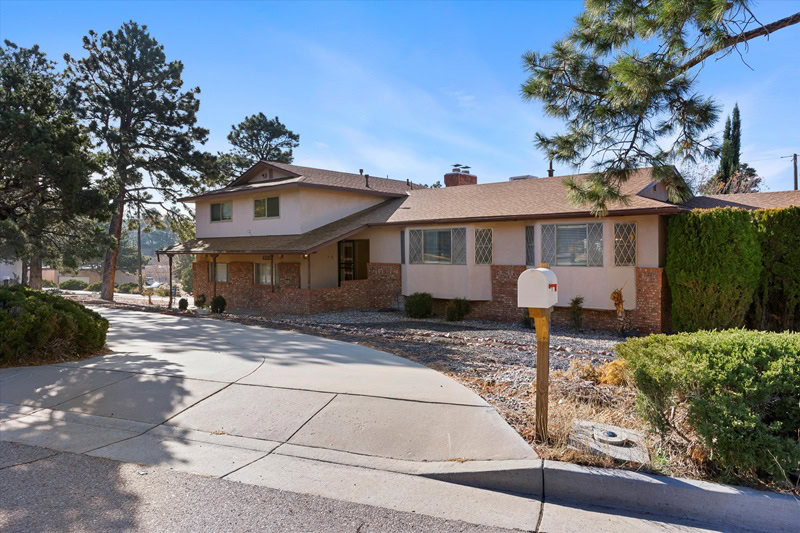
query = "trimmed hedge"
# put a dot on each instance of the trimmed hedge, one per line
(419, 305)
(457, 309)
(741, 390)
(37, 327)
(777, 300)
(73, 285)
(713, 267)
(183, 304)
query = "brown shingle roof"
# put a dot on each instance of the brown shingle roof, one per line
(309, 177)
(531, 198)
(750, 200)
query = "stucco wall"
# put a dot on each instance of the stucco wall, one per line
(595, 284)
(301, 210)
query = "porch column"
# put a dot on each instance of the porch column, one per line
(214, 270)
(309, 270)
(169, 305)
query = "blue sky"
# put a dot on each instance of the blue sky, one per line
(404, 89)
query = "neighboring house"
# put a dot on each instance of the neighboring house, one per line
(286, 238)
(86, 275)
(10, 272)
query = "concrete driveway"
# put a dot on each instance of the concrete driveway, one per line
(278, 409)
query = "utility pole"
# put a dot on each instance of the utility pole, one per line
(794, 161)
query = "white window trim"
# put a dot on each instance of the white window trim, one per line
(265, 198)
(422, 250)
(220, 220)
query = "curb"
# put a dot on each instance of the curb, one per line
(727, 505)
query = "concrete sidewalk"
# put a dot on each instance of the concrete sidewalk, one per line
(275, 409)
(271, 410)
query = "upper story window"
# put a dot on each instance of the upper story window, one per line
(483, 246)
(438, 246)
(222, 212)
(267, 207)
(572, 244)
(625, 244)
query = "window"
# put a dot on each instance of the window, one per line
(262, 273)
(483, 246)
(572, 244)
(625, 244)
(222, 272)
(438, 246)
(221, 212)
(267, 207)
(530, 250)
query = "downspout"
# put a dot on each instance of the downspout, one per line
(214, 272)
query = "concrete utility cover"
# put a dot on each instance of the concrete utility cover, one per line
(615, 442)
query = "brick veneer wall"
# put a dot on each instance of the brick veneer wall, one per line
(650, 316)
(380, 290)
(652, 301)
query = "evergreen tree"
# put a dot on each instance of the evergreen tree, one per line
(736, 137)
(47, 199)
(143, 121)
(623, 81)
(733, 176)
(258, 138)
(726, 154)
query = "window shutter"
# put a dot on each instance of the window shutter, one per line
(458, 241)
(415, 246)
(483, 246)
(595, 244)
(548, 244)
(530, 249)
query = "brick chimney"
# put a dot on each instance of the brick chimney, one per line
(459, 176)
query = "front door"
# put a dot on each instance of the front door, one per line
(353, 259)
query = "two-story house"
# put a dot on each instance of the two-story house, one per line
(286, 238)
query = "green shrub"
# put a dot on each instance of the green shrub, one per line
(46, 283)
(457, 309)
(713, 268)
(576, 312)
(183, 304)
(127, 288)
(218, 304)
(95, 287)
(38, 327)
(200, 300)
(73, 285)
(419, 305)
(739, 389)
(161, 292)
(777, 300)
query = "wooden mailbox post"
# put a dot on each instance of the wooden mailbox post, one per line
(537, 289)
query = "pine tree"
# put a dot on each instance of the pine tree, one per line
(623, 81)
(133, 100)
(258, 138)
(48, 202)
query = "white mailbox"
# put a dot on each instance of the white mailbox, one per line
(537, 288)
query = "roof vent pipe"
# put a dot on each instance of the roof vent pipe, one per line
(366, 180)
(361, 171)
(550, 170)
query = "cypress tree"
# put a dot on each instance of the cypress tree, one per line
(736, 138)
